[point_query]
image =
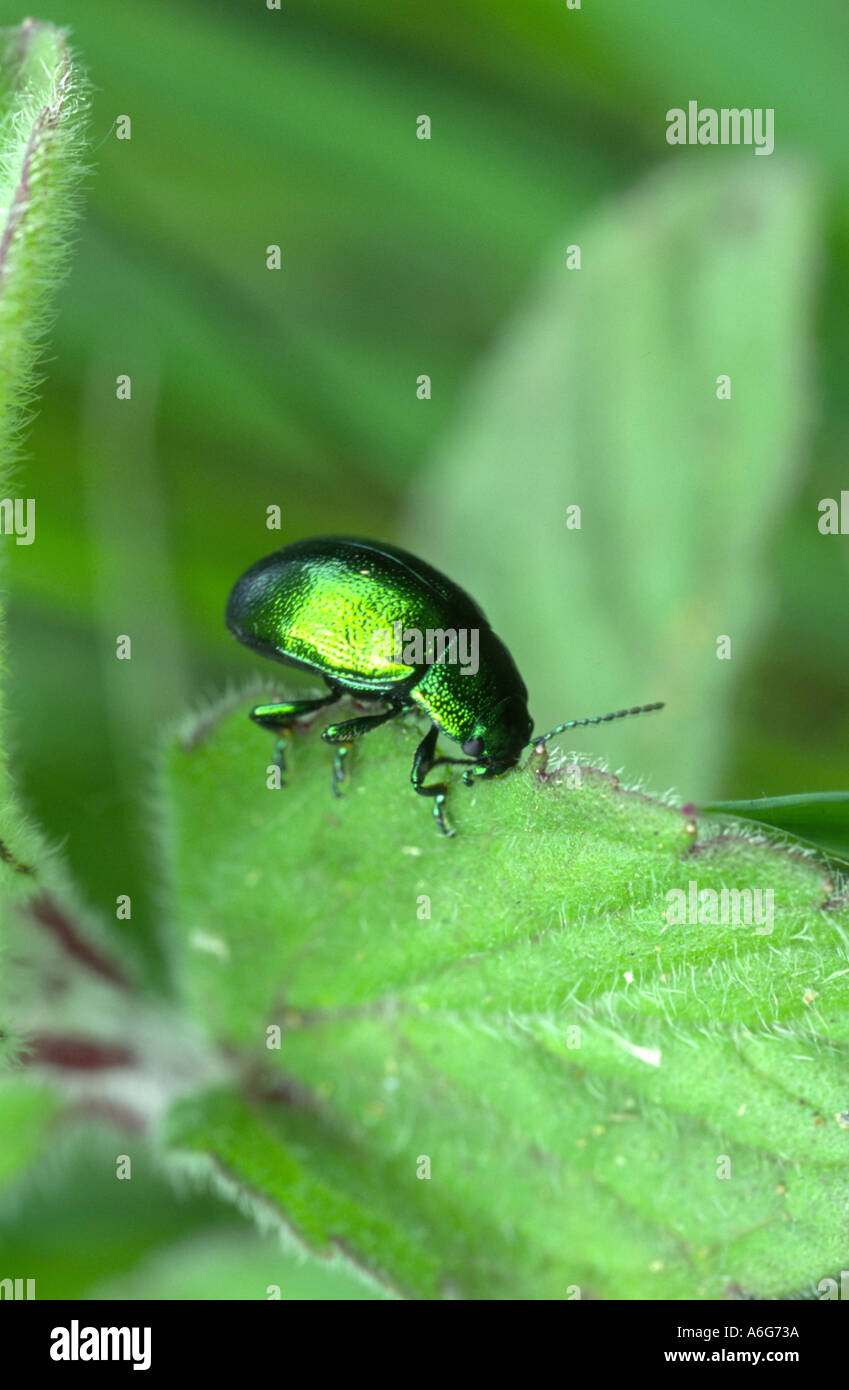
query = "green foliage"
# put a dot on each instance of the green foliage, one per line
(81, 1234)
(820, 819)
(298, 388)
(603, 395)
(306, 379)
(69, 1224)
(237, 1264)
(42, 102)
(27, 1112)
(515, 1005)
(405, 1035)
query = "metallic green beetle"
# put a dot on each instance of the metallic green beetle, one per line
(377, 623)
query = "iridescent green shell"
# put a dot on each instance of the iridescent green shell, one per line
(328, 604)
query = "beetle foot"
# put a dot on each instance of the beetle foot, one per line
(340, 777)
(439, 815)
(279, 757)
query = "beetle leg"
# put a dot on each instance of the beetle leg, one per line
(476, 767)
(345, 734)
(281, 715)
(483, 770)
(279, 719)
(422, 764)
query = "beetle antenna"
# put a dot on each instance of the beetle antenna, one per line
(597, 719)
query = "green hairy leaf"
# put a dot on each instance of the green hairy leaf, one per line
(42, 105)
(506, 1066)
(42, 108)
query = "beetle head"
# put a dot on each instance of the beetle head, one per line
(500, 734)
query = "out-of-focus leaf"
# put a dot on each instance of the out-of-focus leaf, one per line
(603, 395)
(72, 1225)
(42, 104)
(622, 68)
(27, 1112)
(235, 1265)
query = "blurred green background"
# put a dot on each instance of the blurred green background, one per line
(550, 386)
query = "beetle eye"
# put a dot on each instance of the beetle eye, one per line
(473, 748)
